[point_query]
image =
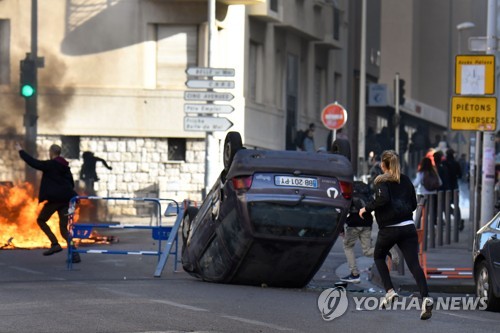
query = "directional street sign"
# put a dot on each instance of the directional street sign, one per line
(208, 108)
(206, 124)
(208, 71)
(210, 84)
(207, 96)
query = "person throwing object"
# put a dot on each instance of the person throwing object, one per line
(56, 190)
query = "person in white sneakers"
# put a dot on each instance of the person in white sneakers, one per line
(394, 203)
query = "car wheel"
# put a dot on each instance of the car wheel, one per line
(232, 144)
(342, 147)
(186, 223)
(484, 287)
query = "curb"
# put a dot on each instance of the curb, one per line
(408, 284)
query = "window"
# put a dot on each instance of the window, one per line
(255, 72)
(70, 146)
(177, 50)
(319, 89)
(4, 51)
(336, 23)
(292, 92)
(176, 149)
(273, 5)
(278, 78)
(337, 86)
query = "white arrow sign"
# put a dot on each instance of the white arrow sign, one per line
(206, 124)
(208, 71)
(207, 96)
(210, 84)
(208, 108)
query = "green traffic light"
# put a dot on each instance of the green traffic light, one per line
(27, 90)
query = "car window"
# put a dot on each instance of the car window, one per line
(299, 221)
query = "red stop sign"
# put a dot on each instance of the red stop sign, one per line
(334, 116)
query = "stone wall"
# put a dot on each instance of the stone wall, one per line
(140, 168)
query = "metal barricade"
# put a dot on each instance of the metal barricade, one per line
(426, 220)
(158, 231)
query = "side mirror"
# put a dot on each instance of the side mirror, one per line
(172, 210)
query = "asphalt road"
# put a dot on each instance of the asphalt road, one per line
(118, 293)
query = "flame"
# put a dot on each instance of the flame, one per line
(19, 210)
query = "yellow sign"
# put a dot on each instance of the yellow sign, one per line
(473, 113)
(475, 74)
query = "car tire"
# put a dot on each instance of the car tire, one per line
(484, 286)
(188, 218)
(342, 147)
(232, 144)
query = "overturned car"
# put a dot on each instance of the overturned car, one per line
(270, 218)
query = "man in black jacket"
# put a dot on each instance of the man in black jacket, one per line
(56, 190)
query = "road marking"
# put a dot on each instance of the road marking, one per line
(26, 270)
(180, 305)
(467, 317)
(194, 308)
(258, 323)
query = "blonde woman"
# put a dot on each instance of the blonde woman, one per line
(393, 204)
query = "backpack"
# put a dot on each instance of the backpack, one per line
(299, 139)
(361, 195)
(431, 181)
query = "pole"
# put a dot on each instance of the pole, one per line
(209, 137)
(31, 113)
(488, 169)
(362, 93)
(396, 115)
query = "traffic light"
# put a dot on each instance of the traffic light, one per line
(401, 91)
(28, 78)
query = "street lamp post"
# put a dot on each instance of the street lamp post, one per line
(362, 93)
(473, 180)
(461, 27)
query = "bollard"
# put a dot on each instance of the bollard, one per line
(432, 220)
(439, 216)
(447, 209)
(456, 215)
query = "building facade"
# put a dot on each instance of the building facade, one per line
(113, 80)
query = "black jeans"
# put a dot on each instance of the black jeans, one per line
(407, 240)
(49, 208)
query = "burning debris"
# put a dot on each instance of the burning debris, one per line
(19, 209)
(18, 213)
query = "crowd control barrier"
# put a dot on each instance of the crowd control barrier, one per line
(158, 231)
(425, 222)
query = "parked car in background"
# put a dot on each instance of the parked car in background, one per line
(487, 263)
(271, 217)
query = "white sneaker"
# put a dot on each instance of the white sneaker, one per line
(389, 297)
(427, 305)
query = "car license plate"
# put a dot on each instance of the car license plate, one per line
(295, 181)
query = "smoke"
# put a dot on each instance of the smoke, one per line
(54, 97)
